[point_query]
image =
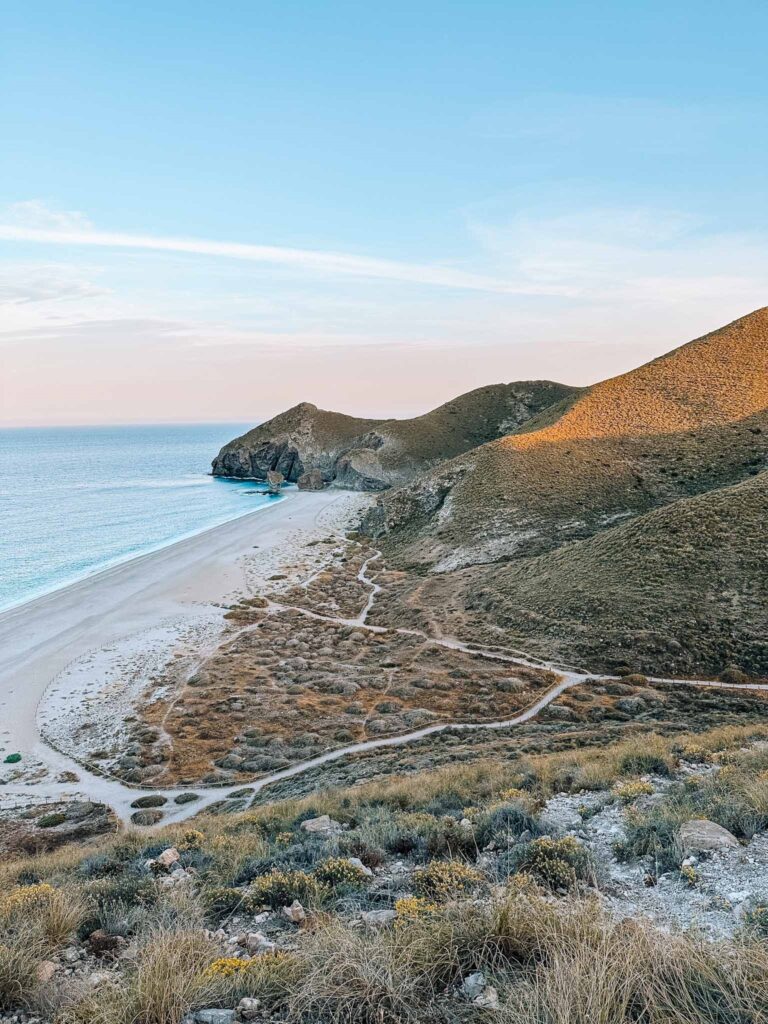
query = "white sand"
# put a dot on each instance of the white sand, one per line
(89, 649)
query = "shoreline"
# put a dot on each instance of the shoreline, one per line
(122, 560)
(190, 581)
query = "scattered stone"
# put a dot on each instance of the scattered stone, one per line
(257, 942)
(168, 857)
(44, 971)
(214, 1017)
(295, 913)
(488, 999)
(701, 836)
(357, 863)
(248, 1008)
(320, 825)
(473, 986)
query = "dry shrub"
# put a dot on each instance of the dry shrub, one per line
(370, 977)
(20, 956)
(166, 977)
(169, 976)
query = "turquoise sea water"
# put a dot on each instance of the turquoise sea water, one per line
(75, 500)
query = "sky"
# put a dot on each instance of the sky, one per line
(212, 211)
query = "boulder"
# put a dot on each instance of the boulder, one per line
(357, 863)
(323, 824)
(275, 481)
(248, 1008)
(214, 1017)
(44, 971)
(257, 942)
(701, 836)
(148, 817)
(473, 985)
(168, 857)
(312, 480)
(295, 913)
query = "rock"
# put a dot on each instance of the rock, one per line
(473, 986)
(168, 857)
(631, 705)
(312, 480)
(323, 824)
(257, 942)
(377, 918)
(275, 481)
(700, 835)
(248, 1008)
(357, 863)
(44, 971)
(99, 978)
(488, 999)
(295, 913)
(360, 470)
(214, 1017)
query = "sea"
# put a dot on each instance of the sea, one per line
(75, 500)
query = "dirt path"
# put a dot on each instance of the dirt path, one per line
(120, 796)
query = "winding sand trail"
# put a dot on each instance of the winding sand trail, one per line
(40, 638)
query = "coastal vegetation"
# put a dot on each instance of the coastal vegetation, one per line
(439, 896)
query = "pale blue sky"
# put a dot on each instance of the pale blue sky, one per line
(388, 203)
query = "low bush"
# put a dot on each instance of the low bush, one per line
(557, 864)
(51, 820)
(338, 873)
(442, 880)
(654, 834)
(270, 977)
(504, 822)
(631, 790)
(54, 913)
(281, 888)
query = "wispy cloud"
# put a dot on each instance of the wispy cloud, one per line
(326, 262)
(36, 213)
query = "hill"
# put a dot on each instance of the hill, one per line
(691, 421)
(368, 454)
(681, 590)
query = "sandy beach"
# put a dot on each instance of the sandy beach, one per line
(78, 643)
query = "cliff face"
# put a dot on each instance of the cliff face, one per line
(373, 455)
